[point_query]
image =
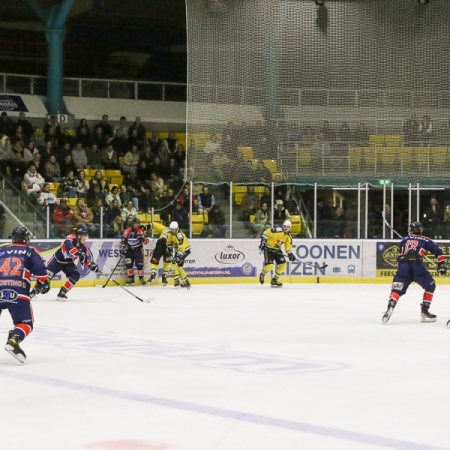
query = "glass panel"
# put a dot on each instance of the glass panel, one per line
(95, 89)
(121, 90)
(175, 93)
(40, 86)
(70, 88)
(150, 91)
(18, 85)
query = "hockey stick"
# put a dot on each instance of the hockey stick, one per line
(135, 296)
(389, 226)
(112, 273)
(315, 265)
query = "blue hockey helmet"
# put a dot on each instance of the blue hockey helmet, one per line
(416, 228)
(21, 234)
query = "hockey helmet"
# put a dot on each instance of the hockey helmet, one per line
(81, 232)
(20, 234)
(287, 223)
(173, 226)
(135, 221)
(416, 228)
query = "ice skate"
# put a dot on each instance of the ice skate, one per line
(13, 348)
(186, 284)
(130, 281)
(261, 277)
(61, 297)
(176, 283)
(143, 282)
(33, 293)
(389, 311)
(426, 316)
(164, 280)
(152, 277)
(275, 283)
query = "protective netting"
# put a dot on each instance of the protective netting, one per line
(344, 93)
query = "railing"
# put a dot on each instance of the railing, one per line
(96, 88)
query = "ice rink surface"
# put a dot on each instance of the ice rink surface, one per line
(222, 367)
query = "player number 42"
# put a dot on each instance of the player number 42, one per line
(11, 266)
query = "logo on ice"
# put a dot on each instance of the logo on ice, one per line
(7, 103)
(230, 256)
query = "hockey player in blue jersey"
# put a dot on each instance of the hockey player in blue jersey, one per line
(72, 251)
(131, 248)
(17, 263)
(413, 248)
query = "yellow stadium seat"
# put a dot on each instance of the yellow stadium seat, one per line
(121, 160)
(238, 193)
(260, 189)
(113, 173)
(304, 156)
(197, 224)
(72, 201)
(271, 164)
(296, 224)
(247, 152)
(117, 181)
(144, 218)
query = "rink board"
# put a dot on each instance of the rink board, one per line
(240, 261)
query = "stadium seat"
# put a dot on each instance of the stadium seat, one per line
(304, 156)
(197, 224)
(260, 189)
(72, 201)
(246, 152)
(113, 173)
(238, 193)
(296, 224)
(121, 160)
(271, 164)
(117, 181)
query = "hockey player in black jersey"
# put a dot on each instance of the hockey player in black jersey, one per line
(18, 262)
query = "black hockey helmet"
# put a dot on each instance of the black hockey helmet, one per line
(135, 220)
(21, 234)
(81, 232)
(416, 228)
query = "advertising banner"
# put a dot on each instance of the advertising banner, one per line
(387, 252)
(12, 103)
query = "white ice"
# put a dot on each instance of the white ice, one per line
(229, 367)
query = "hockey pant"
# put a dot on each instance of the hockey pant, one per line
(22, 316)
(269, 258)
(160, 251)
(69, 269)
(133, 257)
(412, 272)
(179, 272)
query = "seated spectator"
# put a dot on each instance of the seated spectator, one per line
(47, 198)
(83, 217)
(337, 223)
(155, 142)
(180, 215)
(131, 160)
(79, 157)
(128, 213)
(216, 222)
(52, 137)
(102, 183)
(262, 220)
(146, 156)
(82, 184)
(127, 194)
(280, 214)
(99, 218)
(173, 175)
(33, 182)
(112, 211)
(18, 134)
(220, 163)
(62, 218)
(107, 130)
(45, 151)
(121, 127)
(180, 156)
(110, 160)
(120, 143)
(262, 173)
(132, 182)
(67, 138)
(249, 204)
(53, 125)
(6, 155)
(68, 186)
(6, 125)
(18, 171)
(67, 164)
(17, 148)
(99, 138)
(114, 195)
(93, 195)
(118, 228)
(137, 124)
(37, 138)
(212, 145)
(163, 156)
(147, 199)
(157, 167)
(83, 137)
(156, 184)
(27, 128)
(290, 204)
(36, 161)
(266, 197)
(60, 154)
(134, 139)
(83, 124)
(94, 157)
(205, 201)
(171, 143)
(184, 199)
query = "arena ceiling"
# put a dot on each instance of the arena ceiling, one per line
(105, 38)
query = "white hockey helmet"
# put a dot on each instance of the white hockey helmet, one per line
(173, 226)
(287, 223)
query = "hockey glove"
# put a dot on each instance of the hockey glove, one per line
(42, 288)
(263, 244)
(441, 267)
(93, 267)
(291, 256)
(178, 257)
(83, 258)
(123, 251)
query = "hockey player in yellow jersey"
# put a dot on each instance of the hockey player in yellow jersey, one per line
(159, 252)
(178, 241)
(271, 242)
